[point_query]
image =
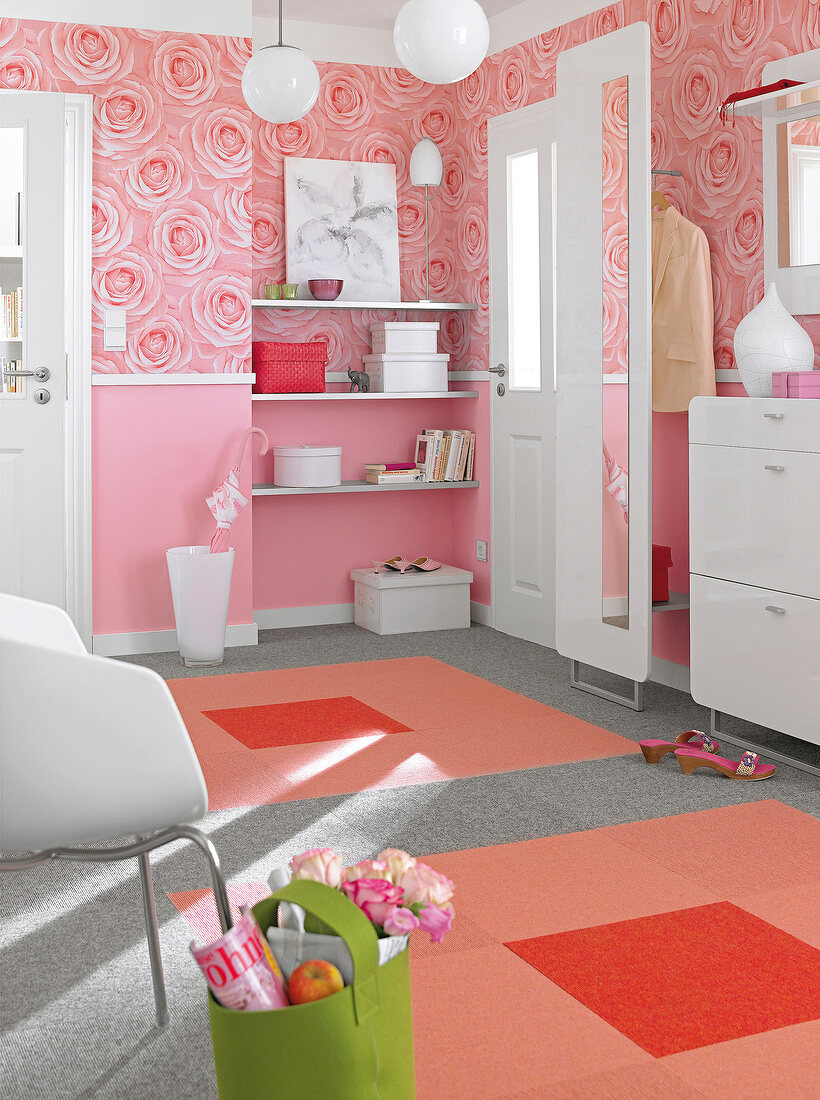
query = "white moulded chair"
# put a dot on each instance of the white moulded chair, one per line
(92, 749)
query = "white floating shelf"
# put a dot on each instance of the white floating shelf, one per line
(310, 303)
(761, 105)
(359, 487)
(678, 601)
(446, 395)
(11, 252)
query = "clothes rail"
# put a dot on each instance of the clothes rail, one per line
(665, 172)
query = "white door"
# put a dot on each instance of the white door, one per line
(32, 409)
(522, 165)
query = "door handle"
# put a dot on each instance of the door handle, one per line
(778, 469)
(773, 416)
(42, 374)
(775, 609)
(500, 370)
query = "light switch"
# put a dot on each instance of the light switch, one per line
(114, 329)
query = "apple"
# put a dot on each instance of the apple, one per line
(313, 980)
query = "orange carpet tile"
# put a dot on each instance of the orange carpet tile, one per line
(487, 1024)
(455, 725)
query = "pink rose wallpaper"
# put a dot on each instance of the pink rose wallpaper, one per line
(188, 211)
(171, 225)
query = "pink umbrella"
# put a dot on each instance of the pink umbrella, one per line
(227, 501)
(617, 484)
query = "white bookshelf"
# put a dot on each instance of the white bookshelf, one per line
(267, 490)
(312, 303)
(445, 395)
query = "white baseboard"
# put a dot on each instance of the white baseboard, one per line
(670, 674)
(481, 613)
(320, 615)
(615, 606)
(163, 641)
(274, 618)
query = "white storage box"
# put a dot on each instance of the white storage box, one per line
(404, 336)
(303, 466)
(400, 603)
(411, 372)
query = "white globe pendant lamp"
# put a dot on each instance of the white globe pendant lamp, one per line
(280, 83)
(441, 41)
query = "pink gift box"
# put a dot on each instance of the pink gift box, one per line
(796, 383)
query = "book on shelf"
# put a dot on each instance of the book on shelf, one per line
(11, 385)
(13, 314)
(387, 467)
(445, 454)
(393, 477)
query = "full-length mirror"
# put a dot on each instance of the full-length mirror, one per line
(615, 351)
(798, 192)
(791, 183)
(604, 356)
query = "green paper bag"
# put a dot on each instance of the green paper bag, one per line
(354, 1045)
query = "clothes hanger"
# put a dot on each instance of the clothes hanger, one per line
(659, 199)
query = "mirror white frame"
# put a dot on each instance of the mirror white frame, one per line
(798, 287)
(581, 633)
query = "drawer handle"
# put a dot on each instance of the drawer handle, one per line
(778, 469)
(773, 416)
(775, 609)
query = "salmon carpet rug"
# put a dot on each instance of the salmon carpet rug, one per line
(646, 961)
(677, 957)
(335, 729)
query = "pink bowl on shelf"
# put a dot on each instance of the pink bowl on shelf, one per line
(325, 290)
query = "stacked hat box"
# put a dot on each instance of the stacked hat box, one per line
(405, 358)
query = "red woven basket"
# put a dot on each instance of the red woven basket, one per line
(289, 368)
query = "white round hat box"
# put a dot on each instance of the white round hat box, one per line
(307, 467)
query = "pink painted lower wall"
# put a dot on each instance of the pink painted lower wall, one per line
(306, 546)
(158, 451)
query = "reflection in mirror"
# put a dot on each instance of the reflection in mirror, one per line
(615, 352)
(12, 189)
(798, 192)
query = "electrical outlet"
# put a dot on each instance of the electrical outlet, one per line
(481, 550)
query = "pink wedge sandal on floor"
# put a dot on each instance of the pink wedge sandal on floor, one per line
(748, 767)
(654, 751)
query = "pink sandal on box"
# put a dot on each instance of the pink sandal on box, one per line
(654, 751)
(426, 565)
(398, 564)
(748, 767)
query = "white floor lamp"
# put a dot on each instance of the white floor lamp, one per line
(426, 170)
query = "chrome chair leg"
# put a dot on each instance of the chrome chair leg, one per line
(140, 850)
(152, 934)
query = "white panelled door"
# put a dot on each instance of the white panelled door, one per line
(522, 162)
(33, 409)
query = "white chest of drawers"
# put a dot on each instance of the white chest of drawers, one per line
(754, 551)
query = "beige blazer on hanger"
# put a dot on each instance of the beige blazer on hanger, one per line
(683, 318)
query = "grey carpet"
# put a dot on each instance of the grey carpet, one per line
(77, 1006)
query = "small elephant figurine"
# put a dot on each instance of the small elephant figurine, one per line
(359, 380)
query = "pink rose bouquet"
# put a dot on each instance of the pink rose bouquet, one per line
(396, 892)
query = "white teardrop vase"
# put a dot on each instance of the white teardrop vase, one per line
(768, 339)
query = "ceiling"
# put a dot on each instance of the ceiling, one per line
(375, 14)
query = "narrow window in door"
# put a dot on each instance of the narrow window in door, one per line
(524, 271)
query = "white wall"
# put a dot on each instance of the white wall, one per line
(365, 46)
(231, 17)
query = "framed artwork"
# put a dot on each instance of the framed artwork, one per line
(341, 222)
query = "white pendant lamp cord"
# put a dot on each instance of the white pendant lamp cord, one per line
(280, 23)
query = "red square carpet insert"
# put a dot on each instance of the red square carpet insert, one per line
(304, 722)
(678, 981)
